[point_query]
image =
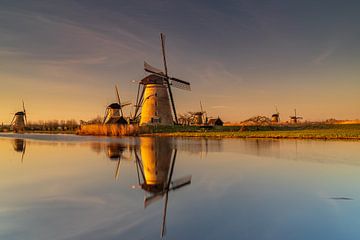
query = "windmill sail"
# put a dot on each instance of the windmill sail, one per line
(175, 82)
(151, 69)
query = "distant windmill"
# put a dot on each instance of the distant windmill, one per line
(19, 120)
(114, 112)
(155, 171)
(295, 118)
(153, 99)
(275, 118)
(198, 117)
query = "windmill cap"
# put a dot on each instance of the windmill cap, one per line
(114, 106)
(152, 79)
(20, 114)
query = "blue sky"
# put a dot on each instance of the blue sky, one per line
(241, 57)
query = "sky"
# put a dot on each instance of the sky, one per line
(241, 57)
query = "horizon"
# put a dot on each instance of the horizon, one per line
(241, 58)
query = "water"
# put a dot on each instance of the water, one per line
(71, 187)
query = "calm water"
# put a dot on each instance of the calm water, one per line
(70, 187)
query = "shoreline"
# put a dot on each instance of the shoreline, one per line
(320, 132)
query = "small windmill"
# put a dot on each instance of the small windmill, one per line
(295, 118)
(199, 118)
(19, 120)
(155, 171)
(156, 95)
(275, 118)
(114, 112)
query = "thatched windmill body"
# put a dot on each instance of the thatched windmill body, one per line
(114, 112)
(19, 121)
(155, 96)
(155, 169)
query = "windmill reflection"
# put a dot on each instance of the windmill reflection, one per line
(20, 147)
(155, 171)
(114, 152)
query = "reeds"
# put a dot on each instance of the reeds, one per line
(109, 130)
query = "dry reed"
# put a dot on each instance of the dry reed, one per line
(109, 130)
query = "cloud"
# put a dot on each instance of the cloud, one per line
(220, 107)
(324, 55)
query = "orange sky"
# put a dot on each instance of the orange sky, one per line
(241, 60)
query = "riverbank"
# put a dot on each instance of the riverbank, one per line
(299, 131)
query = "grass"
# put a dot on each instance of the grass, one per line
(301, 131)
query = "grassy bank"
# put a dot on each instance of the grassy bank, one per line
(300, 131)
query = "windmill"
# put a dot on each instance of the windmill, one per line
(154, 95)
(114, 112)
(155, 171)
(275, 118)
(198, 117)
(19, 120)
(295, 118)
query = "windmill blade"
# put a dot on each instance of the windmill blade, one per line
(167, 186)
(12, 121)
(151, 69)
(181, 84)
(140, 166)
(118, 97)
(153, 198)
(125, 104)
(117, 171)
(181, 182)
(23, 152)
(24, 112)
(137, 171)
(139, 102)
(201, 108)
(162, 37)
(23, 106)
(105, 115)
(163, 226)
(25, 118)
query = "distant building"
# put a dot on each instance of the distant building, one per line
(215, 122)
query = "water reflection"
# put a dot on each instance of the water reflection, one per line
(244, 189)
(20, 147)
(155, 165)
(155, 169)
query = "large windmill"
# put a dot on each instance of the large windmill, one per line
(155, 170)
(156, 95)
(114, 112)
(295, 118)
(19, 120)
